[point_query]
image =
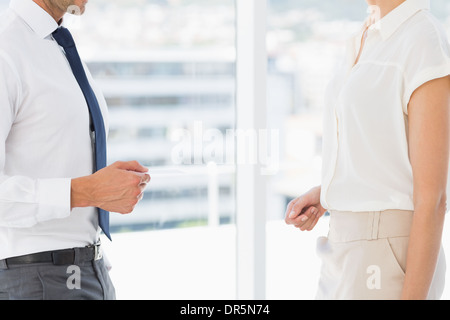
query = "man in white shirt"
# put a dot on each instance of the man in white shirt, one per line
(49, 195)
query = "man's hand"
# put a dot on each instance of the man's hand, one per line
(304, 211)
(116, 188)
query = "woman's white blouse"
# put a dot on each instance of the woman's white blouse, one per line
(366, 166)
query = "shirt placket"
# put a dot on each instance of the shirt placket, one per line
(337, 133)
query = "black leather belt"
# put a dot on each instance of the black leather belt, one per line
(59, 257)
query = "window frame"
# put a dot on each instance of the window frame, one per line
(251, 114)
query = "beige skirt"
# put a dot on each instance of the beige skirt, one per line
(364, 256)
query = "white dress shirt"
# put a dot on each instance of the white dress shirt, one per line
(44, 138)
(366, 166)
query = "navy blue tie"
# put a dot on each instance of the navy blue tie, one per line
(65, 40)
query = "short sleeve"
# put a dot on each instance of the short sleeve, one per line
(428, 59)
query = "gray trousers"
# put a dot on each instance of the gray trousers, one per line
(45, 281)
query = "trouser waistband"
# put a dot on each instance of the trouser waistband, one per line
(57, 257)
(353, 226)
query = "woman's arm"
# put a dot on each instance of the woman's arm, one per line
(429, 120)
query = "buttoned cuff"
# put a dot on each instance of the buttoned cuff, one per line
(53, 198)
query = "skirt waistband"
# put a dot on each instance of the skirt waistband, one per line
(353, 226)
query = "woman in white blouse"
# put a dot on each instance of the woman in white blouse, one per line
(385, 161)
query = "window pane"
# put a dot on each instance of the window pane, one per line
(167, 70)
(306, 40)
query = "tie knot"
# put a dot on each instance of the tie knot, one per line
(63, 38)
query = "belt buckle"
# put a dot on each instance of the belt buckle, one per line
(97, 252)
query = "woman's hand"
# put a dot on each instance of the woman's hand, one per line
(304, 211)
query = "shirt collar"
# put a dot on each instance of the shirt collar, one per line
(37, 18)
(394, 19)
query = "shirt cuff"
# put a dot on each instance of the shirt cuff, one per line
(54, 199)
